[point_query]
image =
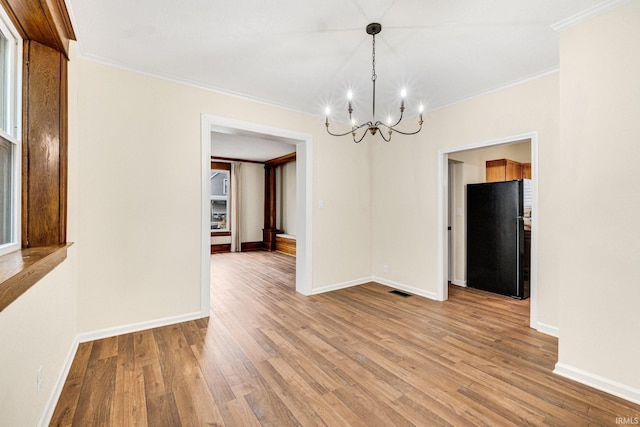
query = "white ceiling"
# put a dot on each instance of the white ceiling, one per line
(305, 55)
(245, 146)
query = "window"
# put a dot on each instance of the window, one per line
(10, 72)
(220, 189)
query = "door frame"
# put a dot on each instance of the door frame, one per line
(452, 235)
(443, 212)
(304, 162)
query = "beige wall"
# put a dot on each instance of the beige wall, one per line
(38, 329)
(475, 160)
(252, 216)
(286, 198)
(405, 182)
(132, 135)
(139, 185)
(596, 209)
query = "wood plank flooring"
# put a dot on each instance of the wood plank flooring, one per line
(361, 356)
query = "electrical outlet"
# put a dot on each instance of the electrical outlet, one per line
(385, 268)
(39, 379)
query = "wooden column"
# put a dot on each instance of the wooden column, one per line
(44, 145)
(46, 30)
(269, 231)
(270, 227)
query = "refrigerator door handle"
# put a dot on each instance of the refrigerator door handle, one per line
(518, 260)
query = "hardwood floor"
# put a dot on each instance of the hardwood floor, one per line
(361, 356)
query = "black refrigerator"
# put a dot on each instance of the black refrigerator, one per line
(496, 259)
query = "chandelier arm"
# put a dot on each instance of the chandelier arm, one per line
(400, 119)
(356, 128)
(383, 137)
(392, 128)
(353, 129)
(409, 133)
(338, 134)
(357, 141)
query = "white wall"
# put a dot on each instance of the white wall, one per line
(139, 140)
(596, 207)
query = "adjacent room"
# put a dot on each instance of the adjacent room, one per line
(262, 213)
(500, 240)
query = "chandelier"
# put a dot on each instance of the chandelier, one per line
(378, 127)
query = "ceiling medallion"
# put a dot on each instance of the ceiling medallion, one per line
(383, 129)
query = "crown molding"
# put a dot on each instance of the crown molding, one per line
(587, 14)
(493, 89)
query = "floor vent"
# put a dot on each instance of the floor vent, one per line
(400, 293)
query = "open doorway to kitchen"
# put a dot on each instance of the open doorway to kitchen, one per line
(302, 143)
(464, 165)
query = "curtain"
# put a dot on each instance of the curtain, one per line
(236, 197)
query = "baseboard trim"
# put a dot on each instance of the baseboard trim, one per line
(342, 285)
(554, 331)
(222, 247)
(252, 246)
(136, 327)
(461, 283)
(406, 288)
(595, 381)
(50, 407)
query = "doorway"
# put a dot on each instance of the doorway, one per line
(303, 144)
(447, 179)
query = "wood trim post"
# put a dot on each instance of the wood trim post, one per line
(269, 231)
(44, 144)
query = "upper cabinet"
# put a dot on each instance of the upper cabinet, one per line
(506, 170)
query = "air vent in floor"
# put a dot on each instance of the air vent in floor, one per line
(400, 293)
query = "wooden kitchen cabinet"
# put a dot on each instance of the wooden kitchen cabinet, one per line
(503, 170)
(526, 171)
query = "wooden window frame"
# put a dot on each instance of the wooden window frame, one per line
(46, 31)
(222, 166)
(10, 132)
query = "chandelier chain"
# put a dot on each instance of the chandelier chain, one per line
(373, 59)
